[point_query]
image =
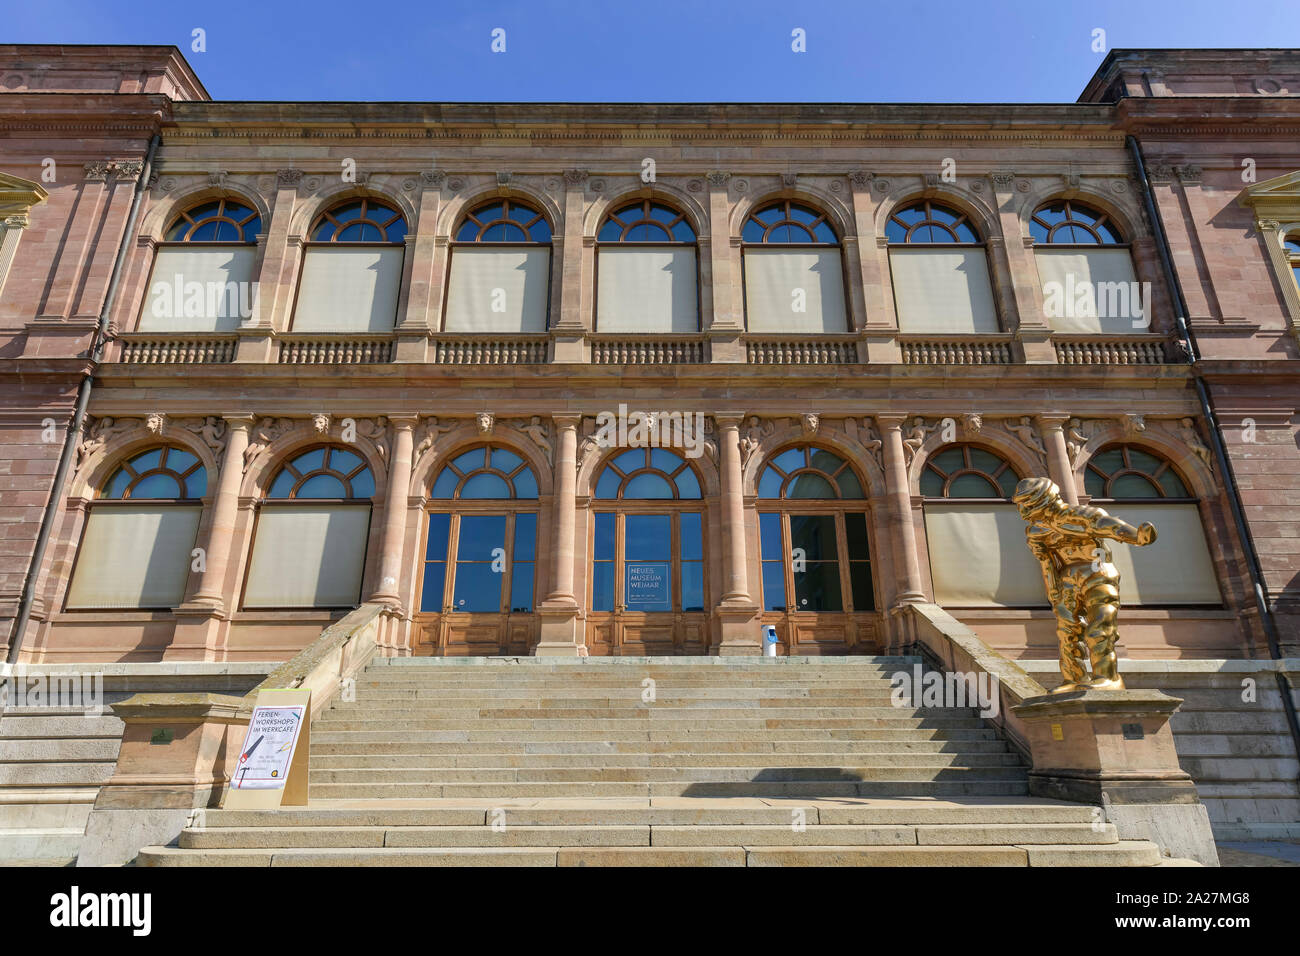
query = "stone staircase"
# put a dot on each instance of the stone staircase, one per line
(52, 763)
(653, 761)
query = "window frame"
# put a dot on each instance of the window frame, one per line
(694, 244)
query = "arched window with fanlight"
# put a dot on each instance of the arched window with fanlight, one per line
(309, 543)
(940, 271)
(500, 269)
(1137, 484)
(203, 270)
(480, 554)
(140, 529)
(794, 273)
(647, 536)
(352, 269)
(1086, 271)
(813, 542)
(646, 270)
(974, 534)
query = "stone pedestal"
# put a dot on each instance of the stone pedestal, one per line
(173, 761)
(560, 631)
(1116, 749)
(738, 631)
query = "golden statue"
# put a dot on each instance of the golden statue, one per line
(1082, 584)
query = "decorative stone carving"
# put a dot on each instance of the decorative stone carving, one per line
(97, 172)
(484, 422)
(429, 432)
(128, 171)
(217, 178)
(288, 177)
(212, 430)
(1133, 425)
(1004, 180)
(717, 177)
(930, 180)
(880, 185)
(1077, 434)
(1160, 174)
(503, 179)
(156, 422)
(1189, 175)
(751, 437)
(536, 429)
(99, 434)
(871, 441)
(914, 434)
(321, 422)
(263, 434)
(590, 442)
(789, 180)
(1022, 429)
(1186, 431)
(809, 422)
(971, 424)
(432, 178)
(575, 177)
(861, 178)
(376, 430)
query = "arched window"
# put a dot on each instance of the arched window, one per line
(1138, 484)
(352, 269)
(814, 545)
(222, 221)
(646, 262)
(203, 271)
(500, 270)
(309, 543)
(135, 549)
(1291, 245)
(361, 220)
(940, 271)
(480, 552)
(1063, 222)
(965, 471)
(648, 541)
(974, 534)
(1086, 270)
(1128, 472)
(794, 274)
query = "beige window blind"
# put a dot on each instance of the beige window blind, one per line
(349, 289)
(498, 289)
(134, 556)
(943, 291)
(308, 556)
(199, 289)
(647, 289)
(790, 290)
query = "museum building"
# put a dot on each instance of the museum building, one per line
(361, 352)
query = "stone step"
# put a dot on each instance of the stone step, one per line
(704, 760)
(596, 664)
(54, 773)
(513, 835)
(688, 738)
(58, 749)
(329, 722)
(840, 748)
(627, 711)
(1127, 853)
(752, 773)
(50, 726)
(35, 843)
(774, 789)
(625, 698)
(981, 812)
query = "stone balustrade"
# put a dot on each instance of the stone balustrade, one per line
(488, 350)
(1139, 349)
(957, 350)
(647, 350)
(334, 349)
(802, 350)
(145, 349)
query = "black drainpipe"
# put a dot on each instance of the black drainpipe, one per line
(1216, 441)
(96, 352)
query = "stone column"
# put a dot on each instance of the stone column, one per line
(275, 278)
(560, 614)
(425, 290)
(870, 305)
(899, 504)
(736, 613)
(225, 512)
(1051, 429)
(1011, 257)
(394, 539)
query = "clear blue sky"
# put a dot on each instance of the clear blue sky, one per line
(656, 50)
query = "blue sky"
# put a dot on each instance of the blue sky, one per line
(656, 50)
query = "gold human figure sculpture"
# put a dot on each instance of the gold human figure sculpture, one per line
(1082, 584)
